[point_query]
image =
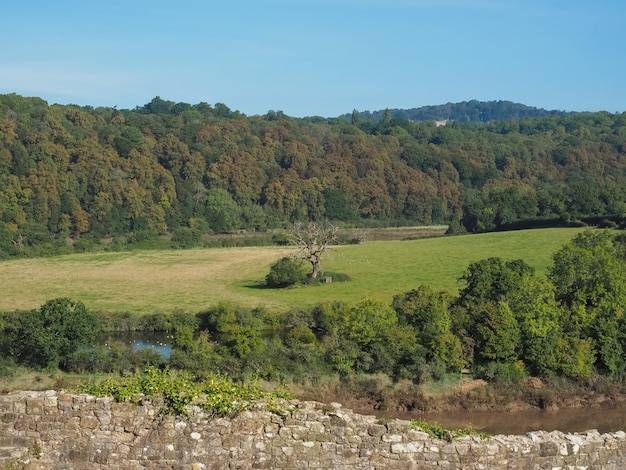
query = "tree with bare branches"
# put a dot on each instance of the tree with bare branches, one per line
(313, 241)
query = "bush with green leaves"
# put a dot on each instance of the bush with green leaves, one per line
(286, 272)
(439, 432)
(185, 237)
(48, 336)
(281, 239)
(501, 372)
(217, 394)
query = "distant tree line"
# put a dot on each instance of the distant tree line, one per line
(466, 111)
(72, 177)
(505, 324)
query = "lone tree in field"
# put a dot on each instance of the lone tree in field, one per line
(312, 241)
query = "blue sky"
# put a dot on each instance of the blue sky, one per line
(317, 57)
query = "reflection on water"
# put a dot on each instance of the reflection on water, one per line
(138, 340)
(521, 422)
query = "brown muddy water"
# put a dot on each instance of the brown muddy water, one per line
(521, 422)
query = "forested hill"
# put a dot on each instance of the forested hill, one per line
(72, 174)
(466, 111)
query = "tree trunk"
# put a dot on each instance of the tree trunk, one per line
(316, 269)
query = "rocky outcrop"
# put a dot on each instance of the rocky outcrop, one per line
(57, 430)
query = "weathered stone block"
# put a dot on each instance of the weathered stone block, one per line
(64, 402)
(398, 427)
(548, 449)
(19, 406)
(34, 406)
(24, 423)
(376, 430)
(404, 447)
(89, 423)
(8, 417)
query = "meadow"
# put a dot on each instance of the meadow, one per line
(194, 280)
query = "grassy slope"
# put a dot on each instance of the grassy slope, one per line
(192, 280)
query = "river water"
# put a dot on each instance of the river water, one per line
(521, 422)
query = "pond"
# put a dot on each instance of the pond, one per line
(159, 341)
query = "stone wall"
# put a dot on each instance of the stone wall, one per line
(57, 430)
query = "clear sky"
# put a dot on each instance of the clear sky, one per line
(317, 57)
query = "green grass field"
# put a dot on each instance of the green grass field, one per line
(193, 280)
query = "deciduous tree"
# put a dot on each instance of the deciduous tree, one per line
(312, 241)
(48, 336)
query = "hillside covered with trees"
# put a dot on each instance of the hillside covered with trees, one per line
(73, 176)
(466, 111)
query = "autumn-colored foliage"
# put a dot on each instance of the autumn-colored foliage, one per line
(69, 173)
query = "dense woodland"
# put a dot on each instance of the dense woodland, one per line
(71, 177)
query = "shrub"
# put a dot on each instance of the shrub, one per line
(439, 432)
(84, 245)
(47, 337)
(281, 239)
(502, 372)
(434, 370)
(300, 337)
(185, 237)
(139, 236)
(8, 367)
(217, 395)
(606, 223)
(286, 272)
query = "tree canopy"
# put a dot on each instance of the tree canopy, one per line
(47, 337)
(71, 175)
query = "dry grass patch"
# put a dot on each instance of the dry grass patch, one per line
(194, 280)
(142, 282)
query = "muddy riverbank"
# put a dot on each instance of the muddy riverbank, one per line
(518, 409)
